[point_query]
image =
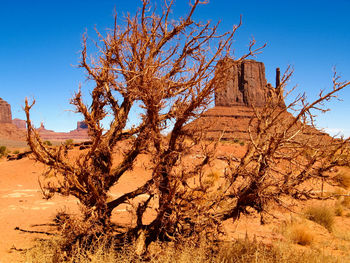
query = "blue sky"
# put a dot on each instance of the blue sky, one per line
(40, 43)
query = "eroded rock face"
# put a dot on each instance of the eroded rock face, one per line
(5, 112)
(244, 84)
(20, 124)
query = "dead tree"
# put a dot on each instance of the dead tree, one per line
(168, 70)
(164, 67)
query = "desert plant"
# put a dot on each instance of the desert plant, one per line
(321, 215)
(343, 179)
(166, 69)
(299, 234)
(68, 142)
(48, 143)
(345, 201)
(338, 210)
(169, 70)
(240, 251)
(3, 151)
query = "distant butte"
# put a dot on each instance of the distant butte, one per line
(15, 129)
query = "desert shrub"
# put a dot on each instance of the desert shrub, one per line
(321, 215)
(240, 251)
(338, 209)
(16, 152)
(343, 179)
(48, 143)
(3, 151)
(345, 201)
(299, 234)
(68, 142)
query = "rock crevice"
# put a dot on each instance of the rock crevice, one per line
(244, 84)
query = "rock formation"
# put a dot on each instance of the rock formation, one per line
(243, 87)
(21, 124)
(7, 129)
(5, 112)
(244, 84)
(16, 129)
(79, 134)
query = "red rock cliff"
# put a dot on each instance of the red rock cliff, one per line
(5, 112)
(244, 85)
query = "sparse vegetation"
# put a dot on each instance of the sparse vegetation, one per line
(3, 151)
(338, 210)
(48, 143)
(343, 179)
(345, 201)
(68, 142)
(321, 215)
(241, 251)
(299, 234)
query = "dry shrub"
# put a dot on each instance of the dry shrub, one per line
(343, 179)
(224, 252)
(345, 201)
(3, 151)
(300, 234)
(321, 215)
(338, 210)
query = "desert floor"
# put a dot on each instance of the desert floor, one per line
(22, 205)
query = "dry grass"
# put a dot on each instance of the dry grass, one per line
(236, 251)
(321, 215)
(299, 234)
(338, 210)
(345, 201)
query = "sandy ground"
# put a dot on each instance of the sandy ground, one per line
(22, 205)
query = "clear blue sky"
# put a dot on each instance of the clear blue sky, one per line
(40, 41)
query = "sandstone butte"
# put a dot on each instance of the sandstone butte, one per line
(243, 88)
